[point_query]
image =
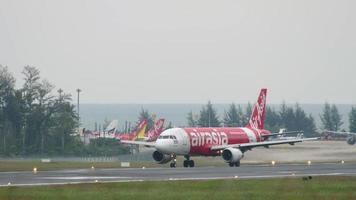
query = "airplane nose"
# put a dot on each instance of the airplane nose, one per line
(162, 146)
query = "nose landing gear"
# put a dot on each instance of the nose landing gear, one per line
(173, 164)
(236, 164)
(188, 162)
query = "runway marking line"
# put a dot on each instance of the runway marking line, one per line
(84, 177)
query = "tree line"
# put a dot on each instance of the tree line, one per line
(35, 120)
(290, 117)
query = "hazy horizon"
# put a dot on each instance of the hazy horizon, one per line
(177, 113)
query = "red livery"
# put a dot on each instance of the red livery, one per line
(138, 133)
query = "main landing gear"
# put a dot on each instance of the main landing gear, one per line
(188, 162)
(236, 164)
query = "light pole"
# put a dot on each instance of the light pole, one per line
(60, 93)
(60, 106)
(78, 91)
(209, 117)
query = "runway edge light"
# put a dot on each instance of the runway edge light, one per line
(35, 170)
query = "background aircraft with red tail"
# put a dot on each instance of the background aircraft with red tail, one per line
(230, 143)
(155, 131)
(137, 134)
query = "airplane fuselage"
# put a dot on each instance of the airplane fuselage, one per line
(125, 136)
(198, 141)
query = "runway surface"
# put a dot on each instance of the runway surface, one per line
(168, 174)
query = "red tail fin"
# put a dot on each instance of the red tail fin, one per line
(140, 126)
(140, 130)
(156, 130)
(258, 112)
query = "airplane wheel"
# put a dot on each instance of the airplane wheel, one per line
(237, 164)
(173, 165)
(191, 163)
(231, 164)
(185, 163)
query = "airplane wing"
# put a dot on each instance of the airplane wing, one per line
(149, 144)
(249, 146)
(339, 133)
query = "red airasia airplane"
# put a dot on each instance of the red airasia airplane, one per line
(139, 133)
(230, 143)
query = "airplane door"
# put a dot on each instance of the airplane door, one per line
(183, 141)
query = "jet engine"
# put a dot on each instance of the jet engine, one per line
(351, 140)
(232, 155)
(161, 158)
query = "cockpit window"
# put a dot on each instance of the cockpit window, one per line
(167, 137)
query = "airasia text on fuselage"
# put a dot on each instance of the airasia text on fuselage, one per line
(205, 138)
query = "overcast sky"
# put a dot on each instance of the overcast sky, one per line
(186, 51)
